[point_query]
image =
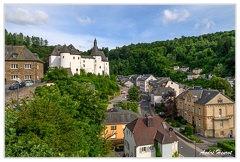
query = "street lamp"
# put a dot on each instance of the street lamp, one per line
(195, 149)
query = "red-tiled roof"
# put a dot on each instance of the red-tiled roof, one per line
(144, 135)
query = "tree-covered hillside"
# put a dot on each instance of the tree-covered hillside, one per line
(207, 51)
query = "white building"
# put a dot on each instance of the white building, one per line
(143, 134)
(144, 82)
(69, 57)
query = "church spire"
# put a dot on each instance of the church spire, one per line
(95, 43)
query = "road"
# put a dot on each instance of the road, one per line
(188, 149)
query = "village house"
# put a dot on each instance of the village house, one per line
(115, 122)
(157, 95)
(144, 135)
(210, 111)
(68, 57)
(21, 63)
(144, 82)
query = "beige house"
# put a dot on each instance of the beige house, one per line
(211, 111)
(23, 64)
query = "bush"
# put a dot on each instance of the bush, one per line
(188, 130)
(227, 145)
(175, 124)
(213, 148)
(183, 121)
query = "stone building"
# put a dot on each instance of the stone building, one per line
(23, 64)
(210, 111)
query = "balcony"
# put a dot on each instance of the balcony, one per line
(220, 117)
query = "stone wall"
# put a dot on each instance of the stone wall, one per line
(25, 92)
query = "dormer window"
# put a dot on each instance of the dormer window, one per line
(15, 55)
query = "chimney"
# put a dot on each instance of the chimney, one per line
(149, 120)
(170, 132)
(223, 91)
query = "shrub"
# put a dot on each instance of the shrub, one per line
(188, 130)
(183, 121)
(175, 124)
(227, 145)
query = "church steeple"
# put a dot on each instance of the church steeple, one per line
(95, 43)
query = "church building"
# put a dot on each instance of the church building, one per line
(70, 58)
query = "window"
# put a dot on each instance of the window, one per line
(189, 99)
(83, 60)
(143, 149)
(76, 69)
(199, 122)
(14, 56)
(14, 77)
(14, 66)
(188, 118)
(193, 109)
(78, 58)
(27, 77)
(27, 66)
(180, 105)
(83, 65)
(63, 56)
(220, 100)
(199, 111)
(188, 107)
(73, 58)
(221, 124)
(220, 113)
(113, 127)
(99, 67)
(37, 67)
(222, 133)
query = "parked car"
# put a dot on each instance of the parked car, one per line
(119, 148)
(16, 84)
(123, 92)
(29, 82)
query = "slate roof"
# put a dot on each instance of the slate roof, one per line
(64, 49)
(96, 52)
(144, 135)
(119, 116)
(162, 90)
(21, 53)
(203, 95)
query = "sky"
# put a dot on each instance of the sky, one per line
(116, 25)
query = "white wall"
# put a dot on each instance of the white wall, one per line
(174, 86)
(128, 136)
(54, 61)
(75, 63)
(65, 60)
(167, 150)
(147, 153)
(89, 65)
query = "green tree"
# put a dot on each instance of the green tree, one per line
(219, 70)
(221, 84)
(133, 94)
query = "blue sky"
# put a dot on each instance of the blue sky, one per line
(116, 25)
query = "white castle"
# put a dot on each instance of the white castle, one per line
(69, 57)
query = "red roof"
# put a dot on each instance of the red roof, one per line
(144, 135)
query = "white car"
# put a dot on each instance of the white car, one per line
(29, 82)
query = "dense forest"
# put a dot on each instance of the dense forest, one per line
(210, 52)
(214, 53)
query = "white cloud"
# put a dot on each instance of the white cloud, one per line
(174, 15)
(85, 20)
(25, 17)
(206, 24)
